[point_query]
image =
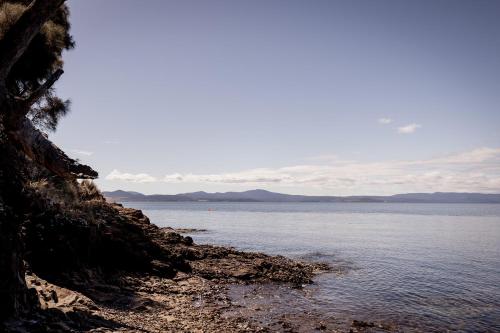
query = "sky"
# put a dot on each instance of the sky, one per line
(303, 97)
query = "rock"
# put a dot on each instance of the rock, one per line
(244, 273)
(162, 269)
(321, 327)
(362, 324)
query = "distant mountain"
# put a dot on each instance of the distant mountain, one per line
(254, 196)
(266, 196)
(444, 197)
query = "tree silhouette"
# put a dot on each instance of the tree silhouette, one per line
(33, 35)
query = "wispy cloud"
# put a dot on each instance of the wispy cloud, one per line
(384, 121)
(82, 152)
(408, 129)
(471, 157)
(475, 171)
(129, 177)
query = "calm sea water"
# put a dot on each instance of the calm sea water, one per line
(426, 267)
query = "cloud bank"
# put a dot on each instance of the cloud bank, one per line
(477, 170)
(129, 177)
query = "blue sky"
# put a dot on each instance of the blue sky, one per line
(313, 97)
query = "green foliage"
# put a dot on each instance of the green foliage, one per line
(41, 59)
(46, 113)
(43, 55)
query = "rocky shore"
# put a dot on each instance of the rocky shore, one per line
(141, 303)
(188, 293)
(106, 268)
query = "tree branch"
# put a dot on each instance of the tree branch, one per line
(21, 107)
(37, 147)
(40, 91)
(26, 104)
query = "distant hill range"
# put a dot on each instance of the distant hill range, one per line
(266, 196)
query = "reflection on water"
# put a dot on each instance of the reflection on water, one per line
(428, 267)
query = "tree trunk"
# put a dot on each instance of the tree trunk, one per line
(13, 291)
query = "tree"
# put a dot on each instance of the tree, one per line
(33, 36)
(32, 40)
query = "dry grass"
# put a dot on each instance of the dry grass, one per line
(88, 190)
(63, 193)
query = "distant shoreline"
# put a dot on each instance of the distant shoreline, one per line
(263, 196)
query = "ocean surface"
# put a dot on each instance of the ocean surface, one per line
(422, 267)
